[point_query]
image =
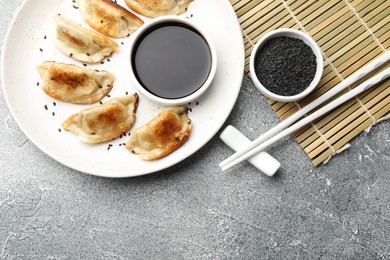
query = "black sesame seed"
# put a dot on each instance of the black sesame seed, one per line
(190, 109)
(132, 151)
(101, 21)
(108, 60)
(285, 66)
(122, 43)
(101, 103)
(59, 130)
(70, 55)
(177, 138)
(110, 145)
(102, 62)
(197, 103)
(46, 107)
(75, 7)
(128, 35)
(54, 104)
(88, 54)
(41, 49)
(127, 93)
(37, 84)
(108, 96)
(124, 144)
(100, 86)
(85, 65)
(53, 113)
(108, 148)
(45, 37)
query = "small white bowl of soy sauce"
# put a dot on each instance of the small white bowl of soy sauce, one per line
(172, 60)
(286, 65)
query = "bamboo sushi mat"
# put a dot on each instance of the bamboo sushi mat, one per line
(350, 35)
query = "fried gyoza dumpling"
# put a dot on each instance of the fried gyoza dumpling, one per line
(80, 43)
(104, 122)
(162, 135)
(108, 17)
(74, 84)
(154, 8)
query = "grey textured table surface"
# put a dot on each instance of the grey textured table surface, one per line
(193, 210)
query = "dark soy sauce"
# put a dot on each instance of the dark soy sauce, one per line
(171, 60)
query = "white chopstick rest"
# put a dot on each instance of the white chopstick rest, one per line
(262, 161)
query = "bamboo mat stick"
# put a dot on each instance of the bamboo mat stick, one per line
(338, 26)
(256, 28)
(301, 6)
(254, 12)
(354, 30)
(241, 4)
(326, 23)
(384, 23)
(366, 7)
(368, 53)
(339, 114)
(345, 124)
(364, 60)
(381, 19)
(332, 141)
(384, 5)
(343, 39)
(316, 161)
(382, 31)
(339, 53)
(321, 14)
(355, 51)
(293, 4)
(247, 7)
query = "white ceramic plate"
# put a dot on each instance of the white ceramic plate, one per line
(28, 43)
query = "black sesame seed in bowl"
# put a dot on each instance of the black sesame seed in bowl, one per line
(286, 65)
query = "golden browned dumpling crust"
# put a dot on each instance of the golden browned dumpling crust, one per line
(80, 43)
(108, 17)
(104, 122)
(162, 135)
(154, 8)
(74, 84)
